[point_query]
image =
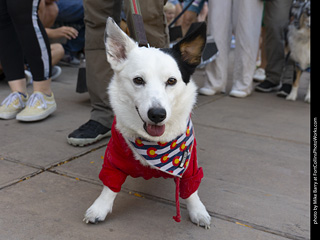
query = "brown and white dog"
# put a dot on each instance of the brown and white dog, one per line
(299, 43)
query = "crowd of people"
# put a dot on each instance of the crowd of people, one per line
(38, 36)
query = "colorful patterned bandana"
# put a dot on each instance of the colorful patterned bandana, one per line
(170, 157)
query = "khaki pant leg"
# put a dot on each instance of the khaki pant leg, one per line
(154, 21)
(98, 70)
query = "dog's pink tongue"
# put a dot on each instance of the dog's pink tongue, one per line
(155, 130)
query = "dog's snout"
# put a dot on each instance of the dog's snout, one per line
(157, 115)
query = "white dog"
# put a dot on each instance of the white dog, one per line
(152, 96)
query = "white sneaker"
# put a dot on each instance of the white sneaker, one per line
(238, 94)
(28, 76)
(39, 106)
(207, 91)
(12, 105)
(56, 72)
(259, 75)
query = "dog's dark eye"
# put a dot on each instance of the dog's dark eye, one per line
(139, 81)
(171, 81)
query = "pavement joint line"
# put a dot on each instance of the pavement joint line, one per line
(253, 134)
(76, 177)
(183, 206)
(22, 179)
(41, 169)
(57, 164)
(21, 163)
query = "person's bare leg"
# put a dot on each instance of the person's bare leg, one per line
(57, 53)
(189, 17)
(43, 86)
(19, 85)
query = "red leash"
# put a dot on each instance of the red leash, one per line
(178, 217)
(135, 24)
(135, 7)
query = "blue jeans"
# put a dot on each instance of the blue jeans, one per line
(71, 13)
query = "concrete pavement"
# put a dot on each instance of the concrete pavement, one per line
(254, 151)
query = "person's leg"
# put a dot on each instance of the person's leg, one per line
(36, 50)
(190, 16)
(276, 19)
(57, 52)
(247, 33)
(11, 54)
(26, 37)
(219, 23)
(98, 72)
(48, 13)
(202, 16)
(11, 58)
(154, 22)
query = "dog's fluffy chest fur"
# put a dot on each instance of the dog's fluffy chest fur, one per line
(299, 43)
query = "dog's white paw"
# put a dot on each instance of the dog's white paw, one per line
(101, 207)
(293, 94)
(97, 212)
(200, 218)
(197, 211)
(308, 98)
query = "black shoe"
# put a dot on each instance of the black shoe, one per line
(267, 86)
(285, 90)
(90, 132)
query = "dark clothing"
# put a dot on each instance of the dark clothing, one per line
(22, 37)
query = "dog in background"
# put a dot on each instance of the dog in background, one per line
(298, 38)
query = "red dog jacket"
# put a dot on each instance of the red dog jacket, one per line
(119, 162)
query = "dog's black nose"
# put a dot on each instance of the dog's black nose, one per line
(157, 115)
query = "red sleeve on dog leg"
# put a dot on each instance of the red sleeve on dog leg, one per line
(111, 177)
(191, 179)
(110, 174)
(191, 184)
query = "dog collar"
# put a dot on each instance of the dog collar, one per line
(169, 157)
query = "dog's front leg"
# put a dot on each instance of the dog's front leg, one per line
(308, 98)
(294, 91)
(197, 211)
(101, 206)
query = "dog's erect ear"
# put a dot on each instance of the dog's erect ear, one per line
(192, 45)
(118, 44)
